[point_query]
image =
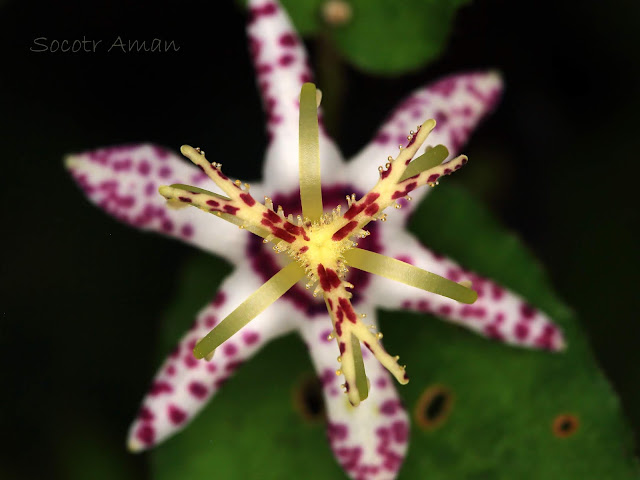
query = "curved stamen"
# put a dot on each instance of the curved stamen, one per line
(309, 154)
(429, 159)
(268, 293)
(361, 378)
(408, 274)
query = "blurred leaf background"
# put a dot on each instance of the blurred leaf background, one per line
(82, 309)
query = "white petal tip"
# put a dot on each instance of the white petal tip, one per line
(560, 346)
(133, 446)
(71, 161)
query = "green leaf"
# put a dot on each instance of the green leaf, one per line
(505, 399)
(386, 37)
(393, 37)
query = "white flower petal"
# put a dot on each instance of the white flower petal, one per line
(282, 67)
(457, 103)
(124, 182)
(497, 313)
(183, 385)
(371, 440)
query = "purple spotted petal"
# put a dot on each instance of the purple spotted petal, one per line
(457, 103)
(282, 66)
(124, 181)
(497, 313)
(370, 441)
(184, 385)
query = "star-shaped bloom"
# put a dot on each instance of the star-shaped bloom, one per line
(313, 240)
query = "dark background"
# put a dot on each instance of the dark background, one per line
(80, 303)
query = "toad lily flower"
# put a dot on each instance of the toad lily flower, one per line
(313, 241)
(322, 243)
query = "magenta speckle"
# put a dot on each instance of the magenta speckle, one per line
(229, 349)
(149, 189)
(160, 387)
(198, 390)
(337, 432)
(219, 300)
(390, 407)
(324, 335)
(286, 60)
(210, 321)
(144, 168)
(146, 414)
(288, 40)
(400, 431)
(146, 434)
(164, 172)
(382, 137)
(167, 226)
(381, 382)
(423, 305)
(521, 331)
(497, 292)
(176, 415)
(233, 366)
(190, 361)
(405, 259)
(186, 231)
(527, 311)
(250, 338)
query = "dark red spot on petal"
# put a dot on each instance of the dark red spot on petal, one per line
(146, 434)
(288, 40)
(176, 415)
(145, 413)
(390, 407)
(198, 390)
(160, 387)
(250, 338)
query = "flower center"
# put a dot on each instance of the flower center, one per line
(321, 248)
